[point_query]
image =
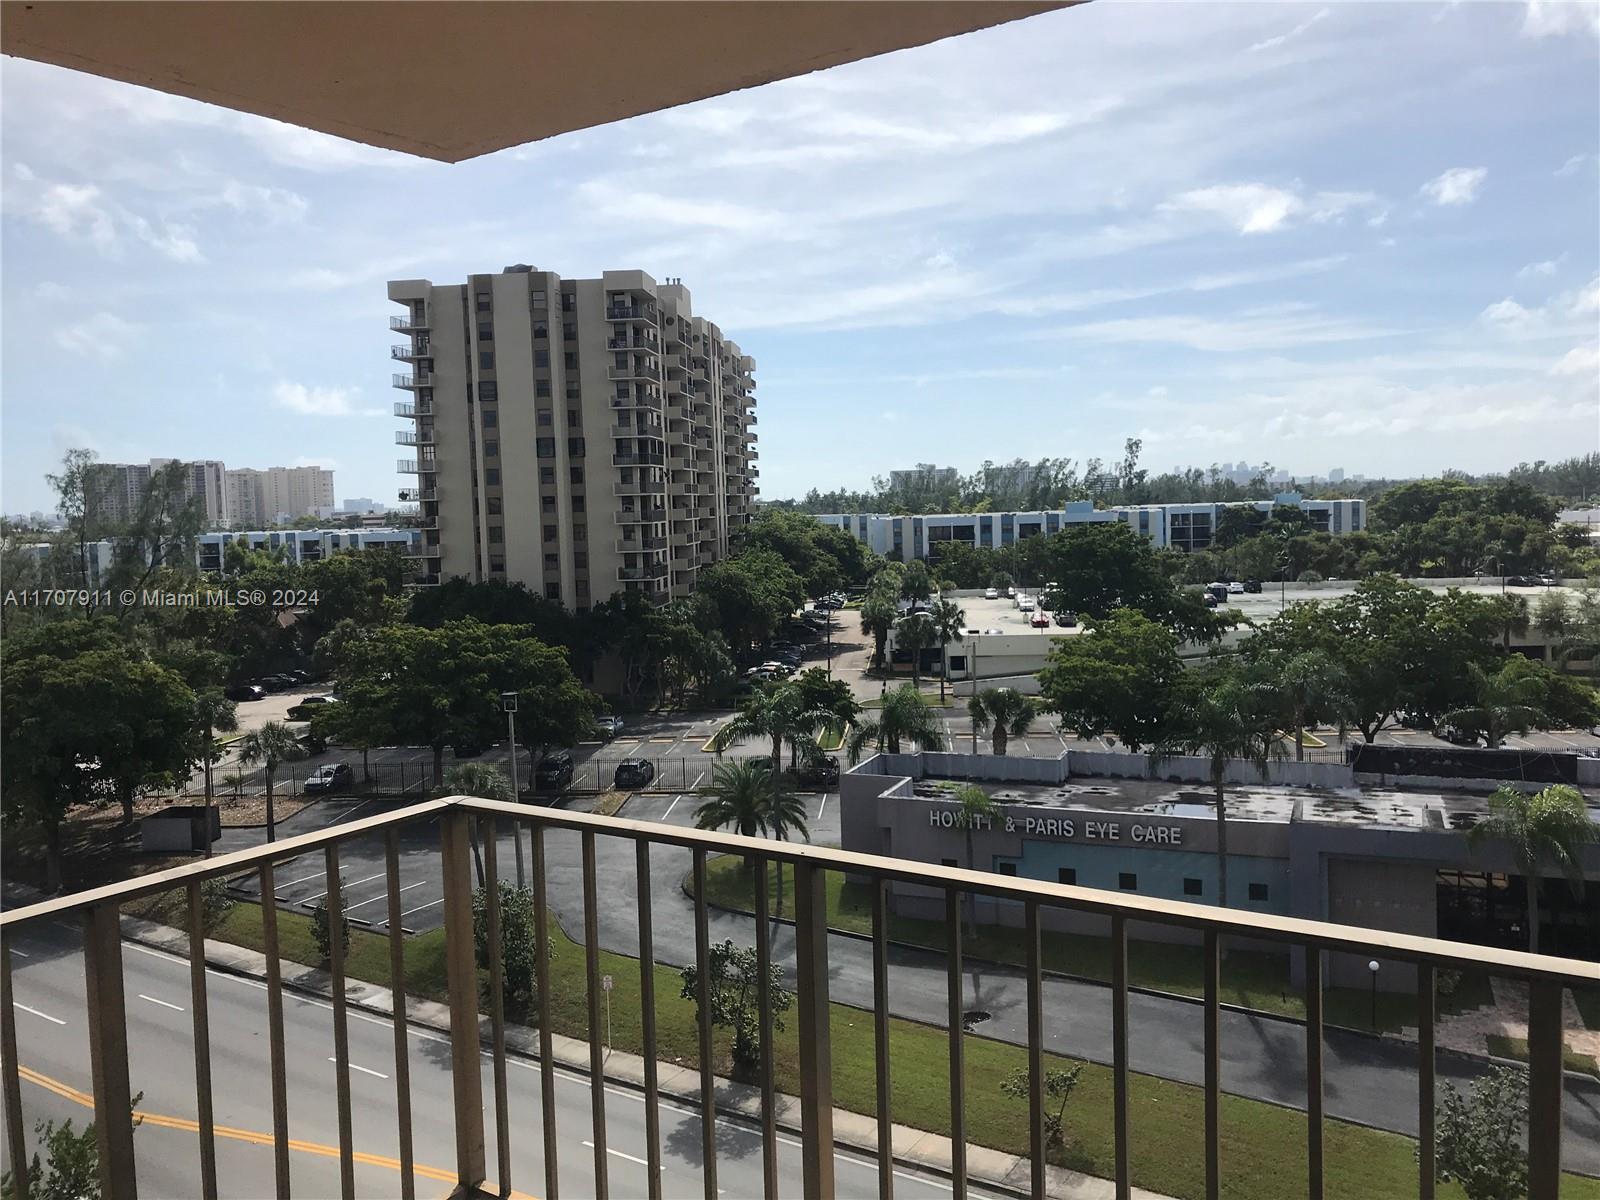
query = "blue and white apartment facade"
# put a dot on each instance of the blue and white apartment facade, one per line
(1176, 526)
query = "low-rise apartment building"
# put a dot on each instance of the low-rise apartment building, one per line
(580, 436)
(1178, 526)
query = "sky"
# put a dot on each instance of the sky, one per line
(1362, 234)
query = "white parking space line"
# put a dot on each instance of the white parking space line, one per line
(620, 1154)
(297, 882)
(822, 806)
(20, 953)
(421, 907)
(162, 1003)
(670, 807)
(697, 780)
(358, 1067)
(37, 1013)
(356, 883)
(383, 895)
(351, 812)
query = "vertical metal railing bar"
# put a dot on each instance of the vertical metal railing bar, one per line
(1545, 1083)
(708, 1095)
(16, 1132)
(488, 833)
(108, 1050)
(397, 993)
(1119, 1052)
(597, 1056)
(957, 1046)
(1427, 1014)
(815, 1033)
(541, 969)
(334, 901)
(201, 1025)
(880, 1037)
(279, 1066)
(1036, 1140)
(1213, 1054)
(647, 1022)
(461, 982)
(1314, 1091)
(769, 1116)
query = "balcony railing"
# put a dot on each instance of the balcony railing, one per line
(642, 516)
(640, 487)
(463, 841)
(421, 379)
(648, 571)
(408, 351)
(418, 494)
(407, 323)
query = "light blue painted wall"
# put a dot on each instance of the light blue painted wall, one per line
(1161, 872)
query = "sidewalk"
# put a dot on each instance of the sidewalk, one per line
(913, 1148)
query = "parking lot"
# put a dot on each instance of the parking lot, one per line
(300, 884)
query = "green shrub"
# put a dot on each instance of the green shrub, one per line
(321, 933)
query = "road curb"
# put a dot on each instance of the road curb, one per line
(740, 1101)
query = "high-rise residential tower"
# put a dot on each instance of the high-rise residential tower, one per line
(580, 436)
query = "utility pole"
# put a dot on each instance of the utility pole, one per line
(974, 692)
(508, 701)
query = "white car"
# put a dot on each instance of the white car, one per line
(1025, 603)
(1236, 588)
(991, 594)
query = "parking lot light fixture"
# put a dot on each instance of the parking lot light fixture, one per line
(508, 703)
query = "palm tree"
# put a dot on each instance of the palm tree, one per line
(214, 713)
(915, 633)
(486, 783)
(1007, 711)
(1551, 826)
(977, 810)
(878, 613)
(904, 717)
(778, 713)
(949, 623)
(271, 745)
(1227, 720)
(1504, 702)
(749, 796)
(1311, 684)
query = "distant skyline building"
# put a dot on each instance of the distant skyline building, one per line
(128, 482)
(924, 475)
(264, 497)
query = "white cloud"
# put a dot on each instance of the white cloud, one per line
(1547, 267)
(1552, 18)
(50, 292)
(1564, 315)
(1272, 43)
(1269, 329)
(1458, 185)
(1261, 208)
(1581, 361)
(75, 212)
(278, 206)
(320, 401)
(103, 335)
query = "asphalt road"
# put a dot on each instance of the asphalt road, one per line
(48, 974)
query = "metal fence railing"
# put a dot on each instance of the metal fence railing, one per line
(469, 843)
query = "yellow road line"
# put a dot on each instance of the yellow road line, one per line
(251, 1136)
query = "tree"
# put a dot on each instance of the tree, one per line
(732, 988)
(272, 745)
(322, 928)
(904, 717)
(1547, 828)
(486, 783)
(878, 613)
(214, 713)
(1502, 702)
(751, 798)
(775, 712)
(976, 811)
(1116, 678)
(83, 500)
(1311, 687)
(70, 1169)
(949, 624)
(519, 955)
(914, 634)
(1005, 711)
(1224, 720)
(359, 728)
(1059, 1084)
(437, 687)
(747, 595)
(1481, 1136)
(915, 581)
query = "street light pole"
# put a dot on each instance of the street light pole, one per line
(1372, 966)
(508, 701)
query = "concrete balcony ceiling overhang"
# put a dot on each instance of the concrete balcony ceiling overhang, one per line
(453, 80)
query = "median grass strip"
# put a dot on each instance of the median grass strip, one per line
(1250, 978)
(1263, 1146)
(1502, 1046)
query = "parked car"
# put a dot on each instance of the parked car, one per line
(1523, 581)
(633, 773)
(819, 771)
(1457, 736)
(1067, 620)
(1252, 585)
(246, 691)
(991, 593)
(1235, 588)
(1549, 581)
(1211, 600)
(279, 683)
(1025, 603)
(608, 727)
(1040, 620)
(788, 658)
(307, 708)
(554, 772)
(330, 777)
(469, 747)
(1219, 590)
(1010, 592)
